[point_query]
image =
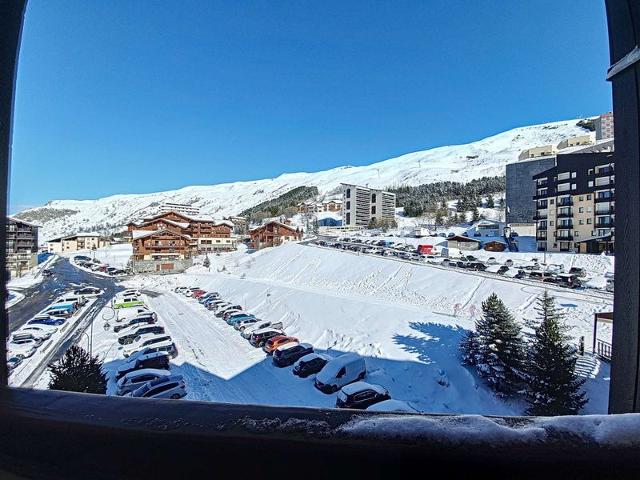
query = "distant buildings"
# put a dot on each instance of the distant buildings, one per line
(21, 246)
(179, 208)
(318, 207)
(575, 204)
(272, 234)
(363, 206)
(176, 236)
(604, 126)
(79, 241)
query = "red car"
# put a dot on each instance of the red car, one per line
(197, 293)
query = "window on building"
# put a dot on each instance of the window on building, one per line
(551, 223)
(588, 209)
(573, 174)
(573, 186)
(373, 210)
(373, 197)
(590, 172)
(581, 198)
(589, 197)
(590, 183)
(581, 222)
(348, 205)
(588, 221)
(576, 233)
(551, 201)
(581, 210)
(348, 193)
(348, 218)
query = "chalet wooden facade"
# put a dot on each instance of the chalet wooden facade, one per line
(273, 234)
(203, 234)
(161, 245)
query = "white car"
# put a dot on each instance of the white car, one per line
(242, 324)
(248, 331)
(165, 387)
(129, 292)
(145, 340)
(42, 332)
(134, 380)
(392, 406)
(25, 347)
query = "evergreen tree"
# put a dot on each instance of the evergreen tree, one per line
(475, 214)
(490, 202)
(77, 371)
(206, 263)
(438, 219)
(553, 386)
(496, 348)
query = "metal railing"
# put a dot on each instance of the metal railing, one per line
(603, 350)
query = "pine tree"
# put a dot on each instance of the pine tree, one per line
(475, 214)
(77, 371)
(206, 263)
(490, 202)
(553, 388)
(497, 347)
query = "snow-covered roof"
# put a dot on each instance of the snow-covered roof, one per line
(290, 227)
(137, 234)
(460, 238)
(14, 219)
(360, 386)
(391, 405)
(331, 368)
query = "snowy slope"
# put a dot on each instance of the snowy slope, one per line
(485, 157)
(406, 319)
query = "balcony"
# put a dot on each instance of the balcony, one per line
(564, 238)
(604, 223)
(542, 228)
(604, 197)
(565, 214)
(540, 216)
(606, 171)
(541, 236)
(565, 226)
(606, 211)
(565, 202)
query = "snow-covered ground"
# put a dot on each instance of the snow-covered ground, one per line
(406, 319)
(116, 255)
(33, 276)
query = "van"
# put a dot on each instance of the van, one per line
(72, 298)
(340, 371)
(127, 302)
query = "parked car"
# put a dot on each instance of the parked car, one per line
(157, 360)
(361, 395)
(42, 331)
(144, 340)
(129, 292)
(189, 291)
(82, 257)
(12, 362)
(521, 274)
(130, 334)
(127, 302)
(277, 341)
(250, 329)
(310, 364)
(45, 319)
(166, 346)
(260, 337)
(578, 271)
(21, 335)
(232, 320)
(47, 272)
(340, 371)
(290, 353)
(245, 322)
(88, 291)
(180, 289)
(25, 347)
(197, 293)
(392, 406)
(135, 379)
(165, 387)
(79, 300)
(148, 318)
(221, 311)
(568, 280)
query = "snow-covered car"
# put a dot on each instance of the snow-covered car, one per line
(250, 329)
(129, 292)
(340, 371)
(221, 311)
(128, 335)
(25, 347)
(126, 314)
(138, 361)
(72, 298)
(245, 322)
(290, 353)
(142, 341)
(237, 318)
(392, 405)
(278, 341)
(310, 364)
(260, 337)
(13, 361)
(172, 387)
(45, 319)
(166, 346)
(361, 395)
(42, 332)
(135, 379)
(148, 318)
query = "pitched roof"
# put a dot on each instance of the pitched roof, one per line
(137, 234)
(290, 227)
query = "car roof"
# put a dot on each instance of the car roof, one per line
(142, 356)
(337, 363)
(288, 346)
(311, 356)
(360, 386)
(392, 405)
(145, 371)
(267, 329)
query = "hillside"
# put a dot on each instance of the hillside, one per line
(483, 158)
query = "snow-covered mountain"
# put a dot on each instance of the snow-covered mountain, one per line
(485, 157)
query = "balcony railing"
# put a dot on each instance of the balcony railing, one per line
(541, 236)
(603, 350)
(564, 214)
(604, 223)
(565, 202)
(565, 226)
(564, 238)
(606, 211)
(605, 171)
(540, 216)
(601, 197)
(542, 228)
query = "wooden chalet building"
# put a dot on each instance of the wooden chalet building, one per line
(189, 235)
(272, 234)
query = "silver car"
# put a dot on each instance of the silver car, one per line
(134, 380)
(172, 387)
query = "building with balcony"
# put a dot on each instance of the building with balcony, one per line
(604, 126)
(22, 246)
(574, 204)
(179, 208)
(364, 206)
(274, 233)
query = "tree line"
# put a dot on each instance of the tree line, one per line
(285, 204)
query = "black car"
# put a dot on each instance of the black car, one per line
(478, 266)
(520, 274)
(87, 291)
(148, 318)
(291, 354)
(83, 257)
(310, 364)
(125, 339)
(502, 270)
(361, 395)
(260, 337)
(159, 360)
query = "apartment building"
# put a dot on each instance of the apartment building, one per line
(604, 126)
(182, 208)
(535, 152)
(362, 206)
(74, 243)
(575, 204)
(22, 246)
(319, 207)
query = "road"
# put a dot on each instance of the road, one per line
(65, 277)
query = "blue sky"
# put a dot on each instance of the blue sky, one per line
(140, 96)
